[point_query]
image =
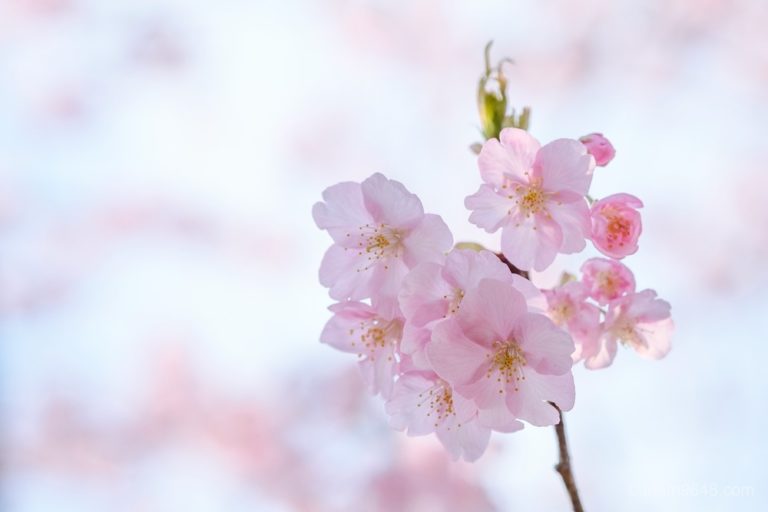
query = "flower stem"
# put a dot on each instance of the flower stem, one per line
(563, 467)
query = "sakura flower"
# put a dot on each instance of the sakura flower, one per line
(379, 231)
(424, 403)
(360, 329)
(506, 359)
(569, 309)
(535, 195)
(599, 147)
(640, 321)
(433, 291)
(607, 280)
(616, 225)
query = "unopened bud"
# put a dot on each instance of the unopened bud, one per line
(599, 147)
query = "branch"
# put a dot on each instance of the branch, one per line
(564, 465)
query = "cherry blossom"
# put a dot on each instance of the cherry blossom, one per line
(424, 403)
(503, 357)
(569, 309)
(379, 231)
(606, 280)
(599, 147)
(535, 195)
(616, 225)
(432, 292)
(360, 329)
(640, 321)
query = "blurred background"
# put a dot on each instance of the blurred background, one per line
(159, 303)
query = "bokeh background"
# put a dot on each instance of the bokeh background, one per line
(159, 303)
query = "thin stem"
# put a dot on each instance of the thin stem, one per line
(564, 465)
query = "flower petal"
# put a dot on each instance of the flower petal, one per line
(390, 202)
(564, 164)
(454, 357)
(490, 210)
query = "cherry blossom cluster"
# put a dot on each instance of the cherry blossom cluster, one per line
(458, 342)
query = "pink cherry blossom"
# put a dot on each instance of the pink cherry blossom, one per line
(424, 403)
(638, 320)
(432, 292)
(506, 359)
(379, 231)
(607, 280)
(535, 195)
(569, 309)
(599, 147)
(616, 225)
(360, 329)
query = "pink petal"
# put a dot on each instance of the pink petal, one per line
(564, 164)
(390, 202)
(658, 338)
(537, 303)
(342, 330)
(465, 268)
(405, 406)
(620, 198)
(533, 244)
(422, 294)
(574, 220)
(342, 212)
(512, 157)
(385, 283)
(499, 418)
(428, 240)
(493, 306)
(468, 442)
(605, 355)
(645, 307)
(414, 338)
(490, 210)
(344, 272)
(529, 403)
(454, 357)
(385, 369)
(547, 348)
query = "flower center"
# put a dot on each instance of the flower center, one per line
(607, 283)
(562, 312)
(627, 334)
(507, 360)
(618, 229)
(376, 336)
(454, 301)
(531, 199)
(439, 399)
(377, 242)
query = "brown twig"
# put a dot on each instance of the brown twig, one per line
(564, 465)
(512, 268)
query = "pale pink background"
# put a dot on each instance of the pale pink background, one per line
(159, 305)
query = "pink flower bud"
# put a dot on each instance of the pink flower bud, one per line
(599, 147)
(616, 225)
